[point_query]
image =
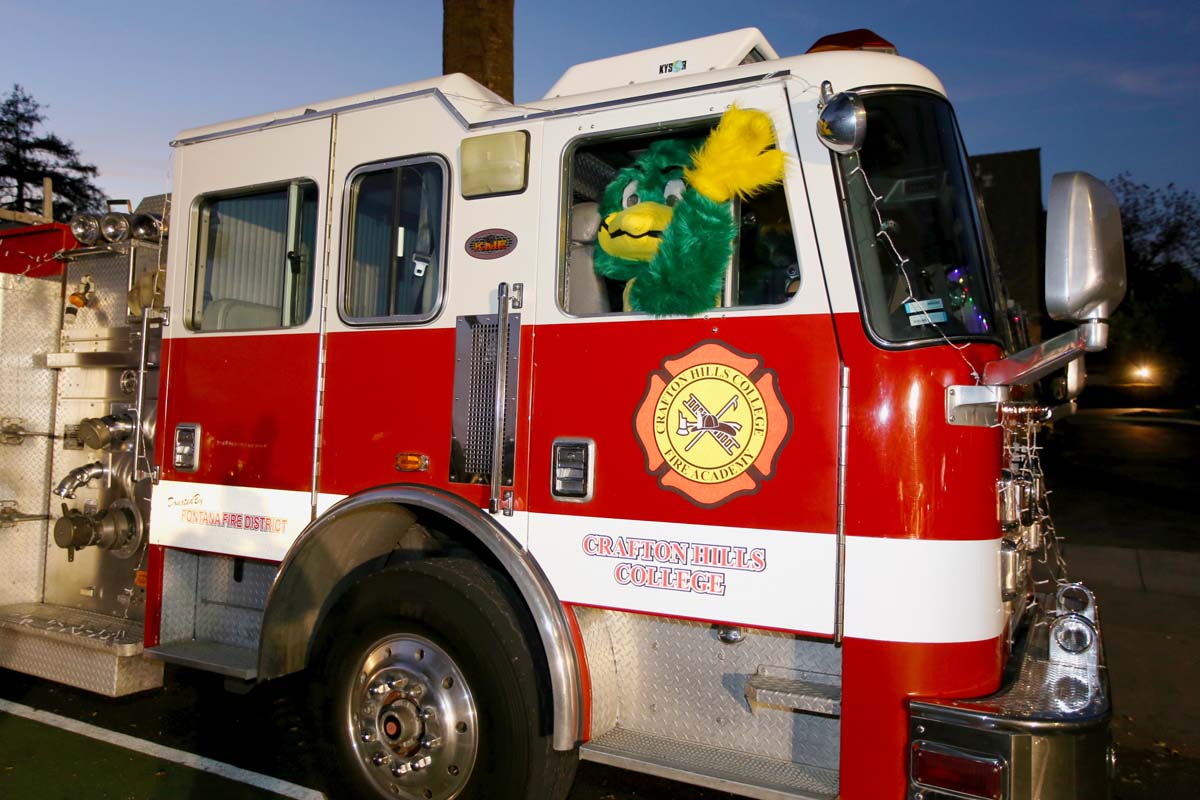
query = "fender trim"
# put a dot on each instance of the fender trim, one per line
(314, 563)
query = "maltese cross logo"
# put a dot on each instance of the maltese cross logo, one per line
(710, 456)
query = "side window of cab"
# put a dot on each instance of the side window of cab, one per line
(633, 215)
(395, 223)
(255, 258)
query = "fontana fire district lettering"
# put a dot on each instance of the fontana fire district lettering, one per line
(242, 522)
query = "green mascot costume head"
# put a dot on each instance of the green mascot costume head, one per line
(666, 226)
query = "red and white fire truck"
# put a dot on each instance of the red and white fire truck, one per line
(368, 411)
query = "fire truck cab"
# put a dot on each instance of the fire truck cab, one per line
(364, 407)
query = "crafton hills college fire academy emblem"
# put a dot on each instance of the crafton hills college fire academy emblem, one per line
(712, 423)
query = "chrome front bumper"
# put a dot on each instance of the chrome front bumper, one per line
(1048, 724)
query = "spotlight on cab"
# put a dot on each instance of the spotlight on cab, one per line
(146, 226)
(85, 228)
(116, 227)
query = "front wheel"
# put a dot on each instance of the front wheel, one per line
(433, 692)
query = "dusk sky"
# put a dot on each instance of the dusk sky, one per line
(1103, 86)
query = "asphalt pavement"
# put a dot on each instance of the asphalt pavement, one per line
(1124, 496)
(1124, 490)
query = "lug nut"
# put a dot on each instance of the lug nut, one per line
(368, 736)
(401, 769)
(422, 762)
(430, 742)
(379, 688)
(379, 759)
(426, 713)
(417, 690)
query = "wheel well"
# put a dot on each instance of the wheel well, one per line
(366, 533)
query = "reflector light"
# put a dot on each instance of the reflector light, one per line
(412, 462)
(857, 39)
(966, 775)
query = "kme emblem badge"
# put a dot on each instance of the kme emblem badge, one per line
(712, 424)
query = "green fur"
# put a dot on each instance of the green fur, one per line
(685, 275)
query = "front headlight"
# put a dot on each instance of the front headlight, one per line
(1073, 633)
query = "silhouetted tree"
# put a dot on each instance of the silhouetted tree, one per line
(1162, 265)
(28, 153)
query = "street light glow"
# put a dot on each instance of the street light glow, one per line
(1142, 372)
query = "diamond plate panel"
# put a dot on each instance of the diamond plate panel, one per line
(218, 582)
(179, 596)
(229, 610)
(30, 310)
(217, 622)
(108, 305)
(714, 767)
(677, 680)
(799, 690)
(75, 655)
(602, 667)
(81, 628)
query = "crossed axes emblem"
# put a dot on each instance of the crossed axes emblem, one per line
(725, 433)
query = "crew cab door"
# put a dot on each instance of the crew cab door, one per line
(409, 376)
(684, 465)
(241, 352)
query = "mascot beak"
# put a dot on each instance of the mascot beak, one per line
(634, 233)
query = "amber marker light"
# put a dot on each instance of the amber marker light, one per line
(76, 299)
(412, 462)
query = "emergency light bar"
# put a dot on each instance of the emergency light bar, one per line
(857, 39)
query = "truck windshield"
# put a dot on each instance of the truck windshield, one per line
(922, 271)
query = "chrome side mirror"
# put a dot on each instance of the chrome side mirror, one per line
(1085, 252)
(842, 123)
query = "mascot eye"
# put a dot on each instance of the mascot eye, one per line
(674, 191)
(629, 197)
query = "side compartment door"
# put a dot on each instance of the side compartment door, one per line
(684, 465)
(241, 352)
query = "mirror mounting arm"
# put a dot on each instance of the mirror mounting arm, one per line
(1036, 362)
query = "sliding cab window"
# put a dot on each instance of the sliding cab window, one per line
(393, 270)
(255, 258)
(609, 174)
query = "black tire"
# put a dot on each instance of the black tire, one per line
(424, 635)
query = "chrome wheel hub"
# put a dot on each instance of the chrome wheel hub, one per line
(411, 719)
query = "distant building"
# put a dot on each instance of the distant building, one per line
(1011, 186)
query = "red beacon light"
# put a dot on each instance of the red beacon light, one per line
(857, 39)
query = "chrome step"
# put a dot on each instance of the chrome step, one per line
(79, 648)
(713, 767)
(795, 690)
(218, 657)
